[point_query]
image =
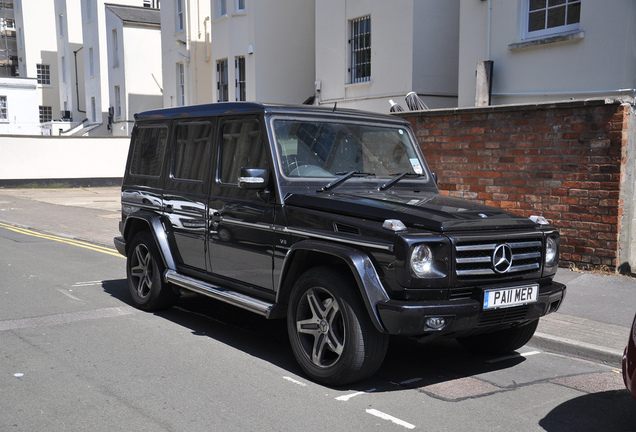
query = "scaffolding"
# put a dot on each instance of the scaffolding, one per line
(8, 41)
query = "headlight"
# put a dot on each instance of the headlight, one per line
(551, 252)
(422, 260)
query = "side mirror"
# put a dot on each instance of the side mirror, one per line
(253, 178)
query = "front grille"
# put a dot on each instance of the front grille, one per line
(474, 258)
(503, 316)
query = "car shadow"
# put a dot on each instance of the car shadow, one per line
(609, 411)
(432, 362)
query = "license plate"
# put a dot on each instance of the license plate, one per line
(508, 297)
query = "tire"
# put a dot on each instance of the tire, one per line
(500, 341)
(144, 270)
(331, 334)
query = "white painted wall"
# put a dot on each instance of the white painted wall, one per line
(414, 46)
(37, 44)
(137, 72)
(194, 55)
(598, 62)
(96, 77)
(22, 109)
(70, 57)
(37, 157)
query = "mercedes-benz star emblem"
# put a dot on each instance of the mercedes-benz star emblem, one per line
(502, 258)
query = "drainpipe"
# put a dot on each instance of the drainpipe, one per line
(77, 81)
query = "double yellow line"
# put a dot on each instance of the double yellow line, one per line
(93, 247)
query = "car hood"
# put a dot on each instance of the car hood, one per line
(425, 210)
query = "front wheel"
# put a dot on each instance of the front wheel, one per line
(331, 334)
(144, 269)
(500, 341)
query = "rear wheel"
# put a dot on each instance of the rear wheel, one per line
(144, 269)
(331, 334)
(500, 341)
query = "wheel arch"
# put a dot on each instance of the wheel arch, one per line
(146, 221)
(308, 254)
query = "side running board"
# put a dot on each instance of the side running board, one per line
(216, 292)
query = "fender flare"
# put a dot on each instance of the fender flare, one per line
(156, 227)
(358, 262)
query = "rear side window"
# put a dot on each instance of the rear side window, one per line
(149, 144)
(191, 142)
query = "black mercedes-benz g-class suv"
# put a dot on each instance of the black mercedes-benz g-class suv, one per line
(332, 220)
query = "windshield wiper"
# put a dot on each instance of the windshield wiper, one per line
(344, 177)
(399, 177)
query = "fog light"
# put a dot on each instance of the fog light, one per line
(435, 323)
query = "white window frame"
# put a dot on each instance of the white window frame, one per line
(181, 84)
(91, 62)
(359, 47)
(545, 31)
(240, 87)
(43, 74)
(89, 10)
(117, 101)
(63, 62)
(240, 6)
(61, 25)
(46, 114)
(4, 109)
(222, 79)
(179, 15)
(115, 49)
(220, 8)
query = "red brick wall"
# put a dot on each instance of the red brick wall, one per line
(558, 160)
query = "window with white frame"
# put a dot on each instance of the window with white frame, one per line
(117, 101)
(239, 73)
(240, 6)
(221, 8)
(43, 74)
(115, 49)
(46, 114)
(545, 18)
(91, 62)
(180, 84)
(89, 10)
(179, 15)
(222, 81)
(93, 110)
(4, 115)
(63, 63)
(360, 50)
(60, 23)
(154, 4)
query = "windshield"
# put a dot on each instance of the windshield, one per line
(312, 148)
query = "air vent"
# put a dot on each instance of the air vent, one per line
(347, 229)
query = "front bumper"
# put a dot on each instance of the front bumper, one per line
(465, 316)
(120, 245)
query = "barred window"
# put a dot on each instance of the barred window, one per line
(44, 74)
(360, 49)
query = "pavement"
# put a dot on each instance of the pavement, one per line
(593, 322)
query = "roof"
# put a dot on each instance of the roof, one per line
(229, 108)
(136, 15)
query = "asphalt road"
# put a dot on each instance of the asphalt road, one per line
(75, 355)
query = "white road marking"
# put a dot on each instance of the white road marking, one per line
(64, 318)
(88, 283)
(352, 395)
(386, 416)
(290, 379)
(68, 294)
